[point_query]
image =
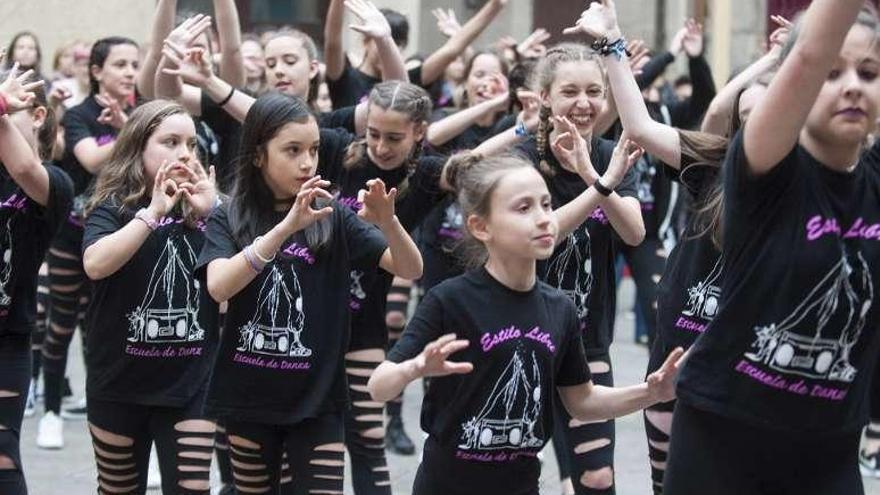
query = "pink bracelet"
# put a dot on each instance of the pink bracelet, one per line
(4, 105)
(144, 216)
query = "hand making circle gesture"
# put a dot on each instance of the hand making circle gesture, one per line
(303, 213)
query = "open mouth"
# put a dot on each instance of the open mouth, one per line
(581, 119)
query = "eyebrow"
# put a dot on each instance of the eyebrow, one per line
(373, 129)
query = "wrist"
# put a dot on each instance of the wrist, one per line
(388, 224)
(148, 217)
(411, 370)
(614, 34)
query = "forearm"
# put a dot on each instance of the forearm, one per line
(22, 163)
(238, 106)
(654, 69)
(406, 260)
(334, 55)
(625, 217)
(720, 110)
(228, 276)
(574, 213)
(603, 403)
(389, 380)
(167, 85)
(704, 91)
(163, 24)
(499, 143)
(93, 156)
(229, 30)
(106, 256)
(447, 129)
(437, 62)
(391, 60)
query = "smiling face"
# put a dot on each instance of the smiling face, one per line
(290, 158)
(117, 76)
(486, 68)
(288, 67)
(846, 109)
(391, 137)
(520, 223)
(577, 93)
(174, 140)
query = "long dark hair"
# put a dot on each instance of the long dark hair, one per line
(100, 52)
(10, 52)
(253, 207)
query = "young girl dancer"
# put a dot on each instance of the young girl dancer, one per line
(282, 256)
(517, 339)
(571, 82)
(780, 376)
(34, 200)
(154, 328)
(90, 131)
(688, 294)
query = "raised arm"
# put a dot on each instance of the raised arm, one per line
(169, 86)
(775, 123)
(334, 54)
(374, 26)
(660, 140)
(528, 117)
(687, 114)
(163, 23)
(436, 63)
(447, 129)
(20, 160)
(229, 31)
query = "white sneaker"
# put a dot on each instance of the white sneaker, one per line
(30, 406)
(154, 477)
(50, 432)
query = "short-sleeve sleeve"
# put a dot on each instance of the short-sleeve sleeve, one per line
(365, 242)
(573, 368)
(219, 241)
(423, 192)
(747, 193)
(76, 128)
(343, 117)
(60, 198)
(424, 327)
(101, 222)
(331, 154)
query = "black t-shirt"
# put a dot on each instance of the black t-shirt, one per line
(370, 284)
(26, 230)
(353, 86)
(689, 293)
(795, 339)
(523, 344)
(164, 354)
(583, 264)
(281, 355)
(81, 122)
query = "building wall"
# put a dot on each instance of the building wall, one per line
(57, 22)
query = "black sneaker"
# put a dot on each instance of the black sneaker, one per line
(78, 411)
(396, 438)
(869, 464)
(66, 392)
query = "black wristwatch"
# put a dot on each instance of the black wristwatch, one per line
(601, 189)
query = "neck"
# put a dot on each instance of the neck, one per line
(514, 273)
(123, 100)
(840, 157)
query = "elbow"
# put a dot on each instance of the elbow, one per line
(215, 290)
(635, 236)
(413, 271)
(93, 268)
(376, 391)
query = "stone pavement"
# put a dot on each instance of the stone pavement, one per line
(71, 471)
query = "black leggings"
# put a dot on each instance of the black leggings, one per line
(365, 433)
(585, 452)
(713, 454)
(122, 434)
(68, 291)
(315, 455)
(658, 423)
(15, 376)
(395, 319)
(42, 321)
(647, 262)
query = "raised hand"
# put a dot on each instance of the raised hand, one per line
(200, 190)
(572, 151)
(186, 33)
(166, 193)
(693, 38)
(191, 64)
(626, 154)
(447, 22)
(676, 45)
(780, 35)
(533, 46)
(530, 115)
(598, 21)
(57, 96)
(434, 358)
(661, 383)
(639, 55)
(112, 114)
(372, 23)
(19, 94)
(302, 214)
(378, 206)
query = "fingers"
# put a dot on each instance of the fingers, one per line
(24, 76)
(314, 182)
(357, 8)
(671, 362)
(458, 368)
(454, 346)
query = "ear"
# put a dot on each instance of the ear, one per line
(545, 98)
(479, 228)
(314, 69)
(419, 131)
(95, 71)
(39, 117)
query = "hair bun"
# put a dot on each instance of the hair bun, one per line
(458, 165)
